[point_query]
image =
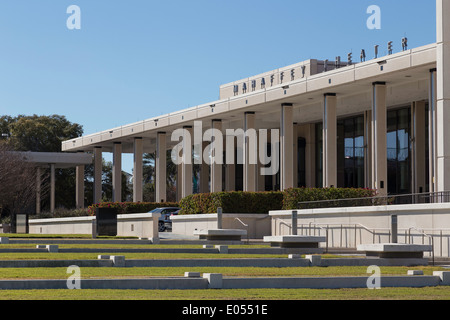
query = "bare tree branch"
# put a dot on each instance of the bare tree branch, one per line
(18, 182)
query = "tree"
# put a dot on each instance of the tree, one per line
(44, 134)
(18, 183)
(149, 177)
(106, 184)
(38, 133)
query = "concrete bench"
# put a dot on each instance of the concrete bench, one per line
(300, 242)
(50, 248)
(221, 234)
(394, 250)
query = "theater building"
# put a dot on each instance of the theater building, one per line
(379, 123)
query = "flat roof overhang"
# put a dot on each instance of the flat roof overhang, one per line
(406, 73)
(60, 160)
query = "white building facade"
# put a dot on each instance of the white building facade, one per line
(380, 124)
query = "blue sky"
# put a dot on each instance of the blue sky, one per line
(136, 59)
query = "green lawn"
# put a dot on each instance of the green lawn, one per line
(89, 273)
(94, 256)
(432, 293)
(125, 246)
(58, 236)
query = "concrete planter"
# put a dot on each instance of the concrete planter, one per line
(142, 225)
(257, 225)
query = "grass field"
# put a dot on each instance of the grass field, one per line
(432, 293)
(111, 273)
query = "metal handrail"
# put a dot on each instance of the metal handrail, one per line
(430, 237)
(385, 200)
(326, 235)
(282, 222)
(246, 226)
(373, 232)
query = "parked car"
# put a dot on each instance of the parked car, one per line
(165, 223)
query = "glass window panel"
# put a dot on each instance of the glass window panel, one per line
(351, 152)
(392, 145)
(359, 127)
(391, 121)
(319, 153)
(399, 151)
(349, 128)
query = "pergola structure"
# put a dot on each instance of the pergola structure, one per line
(45, 160)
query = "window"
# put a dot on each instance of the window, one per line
(399, 151)
(351, 152)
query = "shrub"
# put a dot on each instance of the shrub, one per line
(263, 202)
(320, 198)
(130, 207)
(61, 213)
(252, 202)
(232, 202)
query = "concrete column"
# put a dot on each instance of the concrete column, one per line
(38, 189)
(368, 149)
(117, 172)
(98, 168)
(161, 168)
(216, 158)
(329, 141)
(230, 167)
(286, 147)
(186, 174)
(261, 183)
(98, 171)
(307, 131)
(264, 138)
(432, 158)
(418, 146)
(204, 172)
(250, 152)
(79, 186)
(443, 95)
(295, 154)
(52, 188)
(179, 181)
(138, 151)
(230, 178)
(379, 143)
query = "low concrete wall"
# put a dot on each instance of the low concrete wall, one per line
(142, 225)
(258, 224)
(349, 227)
(78, 225)
(5, 228)
(227, 283)
(328, 282)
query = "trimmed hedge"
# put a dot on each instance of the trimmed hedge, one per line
(263, 202)
(131, 207)
(232, 202)
(253, 202)
(293, 198)
(61, 213)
